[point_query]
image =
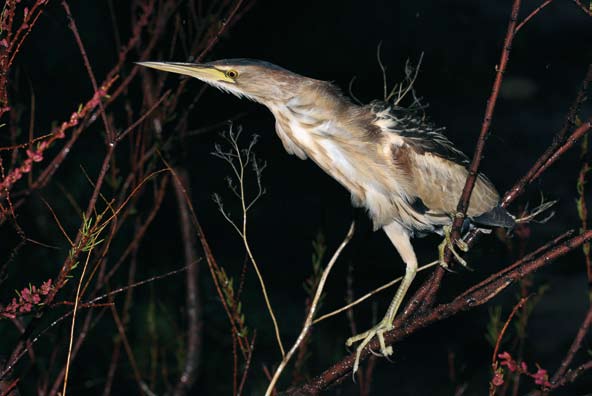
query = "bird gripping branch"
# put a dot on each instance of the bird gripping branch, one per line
(403, 170)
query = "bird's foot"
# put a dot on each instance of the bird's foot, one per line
(367, 336)
(448, 243)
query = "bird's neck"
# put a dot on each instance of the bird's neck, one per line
(316, 112)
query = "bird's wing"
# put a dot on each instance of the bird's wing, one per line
(439, 182)
(436, 169)
(289, 145)
(417, 131)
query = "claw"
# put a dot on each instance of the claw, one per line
(447, 243)
(367, 336)
(462, 245)
(373, 352)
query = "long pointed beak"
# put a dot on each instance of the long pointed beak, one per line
(196, 70)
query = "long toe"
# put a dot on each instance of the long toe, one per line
(366, 337)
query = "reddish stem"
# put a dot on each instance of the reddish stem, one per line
(339, 371)
(575, 346)
(463, 204)
(503, 331)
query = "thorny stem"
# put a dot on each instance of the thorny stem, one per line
(8, 55)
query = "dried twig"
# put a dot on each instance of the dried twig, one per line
(313, 306)
(402, 328)
(239, 160)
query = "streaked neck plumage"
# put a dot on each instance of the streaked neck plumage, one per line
(343, 140)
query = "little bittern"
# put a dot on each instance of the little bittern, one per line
(395, 164)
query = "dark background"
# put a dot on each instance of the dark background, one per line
(336, 41)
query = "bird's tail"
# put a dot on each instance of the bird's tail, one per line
(496, 217)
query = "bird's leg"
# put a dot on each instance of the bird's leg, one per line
(447, 243)
(400, 238)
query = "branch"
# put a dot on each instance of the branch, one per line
(575, 346)
(403, 328)
(532, 14)
(463, 204)
(194, 326)
(91, 75)
(212, 266)
(587, 11)
(313, 307)
(11, 363)
(558, 140)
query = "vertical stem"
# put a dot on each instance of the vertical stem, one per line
(76, 301)
(190, 369)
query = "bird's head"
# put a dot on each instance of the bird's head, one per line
(257, 80)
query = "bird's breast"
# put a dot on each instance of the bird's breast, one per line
(363, 167)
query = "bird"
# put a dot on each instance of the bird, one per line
(395, 163)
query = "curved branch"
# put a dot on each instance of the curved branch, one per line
(340, 370)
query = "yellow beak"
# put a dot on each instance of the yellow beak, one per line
(196, 70)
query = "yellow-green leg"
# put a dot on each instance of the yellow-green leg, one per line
(400, 239)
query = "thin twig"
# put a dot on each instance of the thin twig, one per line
(340, 370)
(8, 367)
(247, 365)
(211, 261)
(504, 328)
(532, 14)
(74, 311)
(238, 160)
(558, 140)
(91, 75)
(313, 306)
(582, 7)
(370, 294)
(575, 346)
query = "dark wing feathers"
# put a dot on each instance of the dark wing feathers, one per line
(420, 134)
(496, 217)
(427, 140)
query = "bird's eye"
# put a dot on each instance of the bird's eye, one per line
(231, 74)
